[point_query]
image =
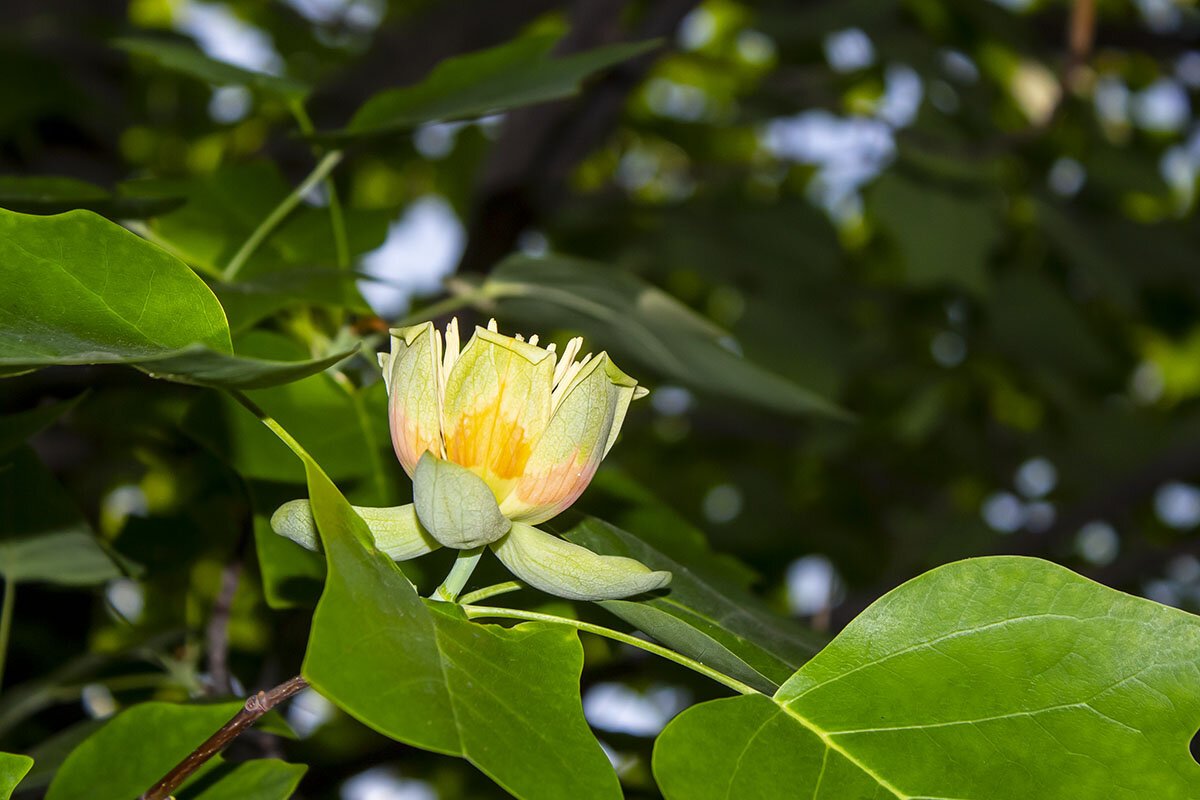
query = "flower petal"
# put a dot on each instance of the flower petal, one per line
(580, 433)
(497, 405)
(567, 570)
(455, 505)
(411, 374)
(397, 532)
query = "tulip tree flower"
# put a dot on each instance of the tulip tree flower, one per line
(498, 437)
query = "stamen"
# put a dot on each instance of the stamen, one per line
(533, 340)
(550, 348)
(560, 390)
(568, 356)
(491, 326)
(518, 337)
(452, 350)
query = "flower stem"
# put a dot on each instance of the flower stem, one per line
(491, 591)
(285, 207)
(460, 573)
(474, 612)
(6, 617)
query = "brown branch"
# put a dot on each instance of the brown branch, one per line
(255, 707)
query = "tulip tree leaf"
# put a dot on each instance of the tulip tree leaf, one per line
(185, 58)
(138, 746)
(507, 699)
(43, 537)
(518, 73)
(706, 613)
(642, 323)
(989, 679)
(82, 290)
(13, 768)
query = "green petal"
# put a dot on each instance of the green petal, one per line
(397, 532)
(567, 570)
(455, 505)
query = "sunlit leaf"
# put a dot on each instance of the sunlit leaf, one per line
(992, 678)
(82, 290)
(13, 768)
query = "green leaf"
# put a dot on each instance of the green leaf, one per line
(43, 537)
(16, 428)
(943, 237)
(643, 323)
(13, 768)
(260, 779)
(505, 699)
(82, 290)
(517, 73)
(185, 58)
(707, 613)
(56, 195)
(992, 678)
(136, 748)
(455, 505)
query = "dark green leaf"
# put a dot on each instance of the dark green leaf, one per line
(16, 428)
(518, 73)
(247, 302)
(55, 195)
(943, 238)
(992, 678)
(260, 779)
(43, 537)
(85, 291)
(185, 58)
(641, 322)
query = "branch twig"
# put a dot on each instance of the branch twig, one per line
(255, 707)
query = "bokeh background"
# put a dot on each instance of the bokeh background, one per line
(970, 223)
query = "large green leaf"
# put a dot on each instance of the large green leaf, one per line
(505, 699)
(43, 537)
(641, 322)
(81, 290)
(707, 612)
(139, 746)
(13, 768)
(517, 73)
(246, 302)
(185, 58)
(992, 679)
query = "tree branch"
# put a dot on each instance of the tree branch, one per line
(256, 706)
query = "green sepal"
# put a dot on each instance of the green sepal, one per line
(455, 505)
(397, 531)
(567, 570)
